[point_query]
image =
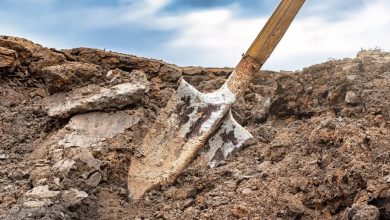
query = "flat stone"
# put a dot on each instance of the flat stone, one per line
(41, 192)
(92, 129)
(92, 98)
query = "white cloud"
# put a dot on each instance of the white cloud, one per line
(312, 40)
(216, 37)
(145, 9)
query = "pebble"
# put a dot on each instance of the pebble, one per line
(57, 181)
(94, 179)
(387, 178)
(351, 98)
(41, 93)
(246, 191)
(73, 196)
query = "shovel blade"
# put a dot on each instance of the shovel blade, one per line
(180, 131)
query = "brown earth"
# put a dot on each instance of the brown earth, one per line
(321, 146)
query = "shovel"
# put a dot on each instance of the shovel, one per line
(192, 118)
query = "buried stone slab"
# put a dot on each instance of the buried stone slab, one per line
(93, 97)
(71, 149)
(91, 129)
(39, 196)
(41, 192)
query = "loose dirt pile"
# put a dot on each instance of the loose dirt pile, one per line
(71, 120)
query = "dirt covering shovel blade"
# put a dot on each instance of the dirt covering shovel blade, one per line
(229, 137)
(180, 131)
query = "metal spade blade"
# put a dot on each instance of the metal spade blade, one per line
(229, 137)
(181, 129)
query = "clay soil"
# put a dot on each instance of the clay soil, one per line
(321, 146)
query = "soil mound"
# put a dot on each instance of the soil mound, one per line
(71, 120)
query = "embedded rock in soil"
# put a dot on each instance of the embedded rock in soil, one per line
(93, 98)
(65, 76)
(363, 212)
(39, 196)
(73, 196)
(41, 192)
(351, 98)
(3, 157)
(62, 167)
(8, 58)
(91, 129)
(94, 179)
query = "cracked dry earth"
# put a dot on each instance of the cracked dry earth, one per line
(71, 120)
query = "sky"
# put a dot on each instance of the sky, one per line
(212, 33)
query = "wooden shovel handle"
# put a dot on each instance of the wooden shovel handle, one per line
(263, 45)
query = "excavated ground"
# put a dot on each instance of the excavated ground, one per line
(71, 120)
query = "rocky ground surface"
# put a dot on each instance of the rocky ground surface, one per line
(71, 120)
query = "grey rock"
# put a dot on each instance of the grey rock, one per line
(86, 162)
(92, 98)
(94, 179)
(41, 192)
(73, 196)
(92, 129)
(3, 157)
(352, 98)
(62, 167)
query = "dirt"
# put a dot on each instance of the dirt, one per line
(320, 150)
